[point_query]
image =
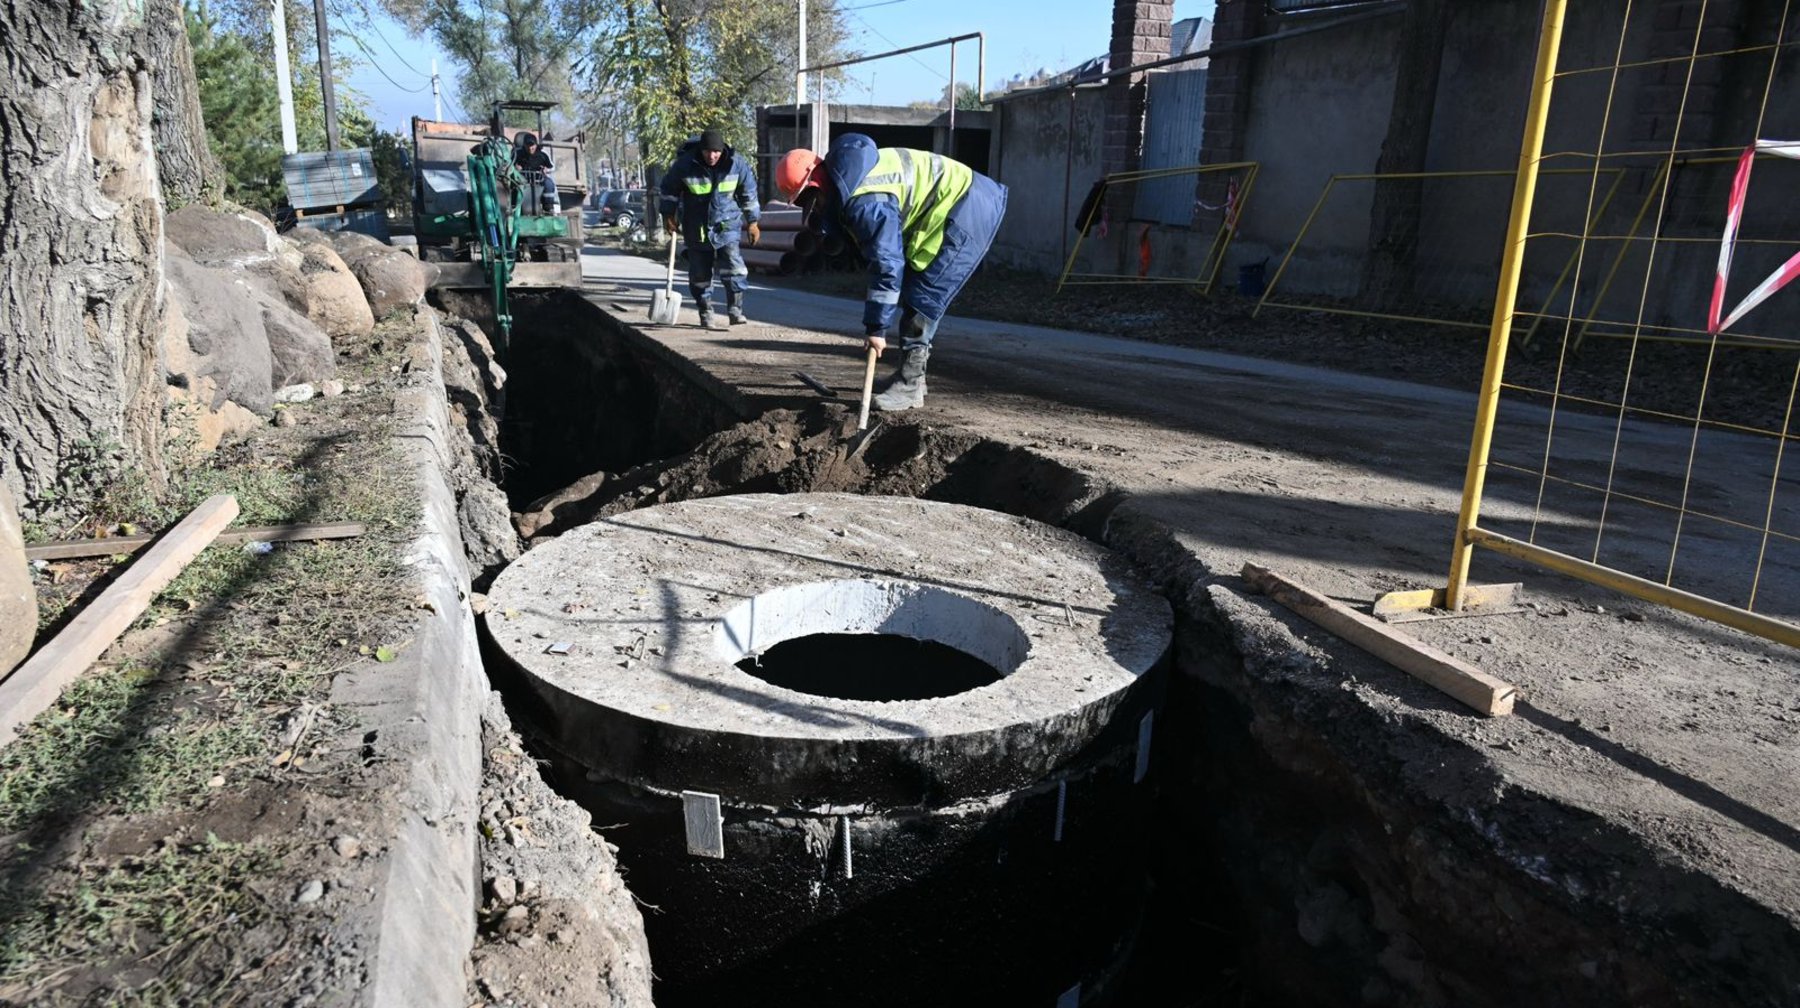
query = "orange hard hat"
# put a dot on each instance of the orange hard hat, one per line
(795, 172)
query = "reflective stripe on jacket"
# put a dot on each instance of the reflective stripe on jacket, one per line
(712, 203)
(924, 186)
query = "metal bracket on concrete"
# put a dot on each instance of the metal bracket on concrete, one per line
(1478, 600)
(1143, 748)
(844, 831)
(705, 824)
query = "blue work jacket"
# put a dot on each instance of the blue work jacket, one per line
(713, 204)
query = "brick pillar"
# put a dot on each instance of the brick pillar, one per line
(1140, 33)
(1227, 98)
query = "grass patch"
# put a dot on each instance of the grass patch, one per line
(159, 910)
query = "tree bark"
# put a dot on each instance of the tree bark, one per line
(81, 302)
(1394, 215)
(187, 168)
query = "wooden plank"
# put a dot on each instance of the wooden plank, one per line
(1446, 672)
(705, 824)
(35, 685)
(1477, 600)
(132, 543)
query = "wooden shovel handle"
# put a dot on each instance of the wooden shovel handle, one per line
(862, 418)
(671, 287)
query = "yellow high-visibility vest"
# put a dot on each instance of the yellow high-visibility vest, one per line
(926, 186)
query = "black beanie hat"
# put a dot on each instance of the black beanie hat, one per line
(712, 140)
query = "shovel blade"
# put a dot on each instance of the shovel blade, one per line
(665, 308)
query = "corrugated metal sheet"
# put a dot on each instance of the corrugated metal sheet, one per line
(1176, 102)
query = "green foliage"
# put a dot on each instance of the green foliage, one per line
(671, 68)
(234, 64)
(505, 49)
(242, 113)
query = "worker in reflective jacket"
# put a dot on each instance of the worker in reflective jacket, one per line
(711, 197)
(923, 221)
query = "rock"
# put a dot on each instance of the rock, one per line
(294, 393)
(346, 846)
(284, 418)
(226, 339)
(210, 237)
(330, 294)
(517, 919)
(504, 889)
(391, 279)
(310, 892)
(299, 351)
(18, 598)
(332, 388)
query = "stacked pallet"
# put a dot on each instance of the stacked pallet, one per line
(335, 191)
(792, 242)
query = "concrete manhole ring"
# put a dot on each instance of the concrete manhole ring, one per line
(629, 632)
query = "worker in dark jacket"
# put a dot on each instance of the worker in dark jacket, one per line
(535, 162)
(923, 220)
(710, 196)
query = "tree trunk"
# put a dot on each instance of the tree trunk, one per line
(81, 306)
(188, 170)
(1387, 280)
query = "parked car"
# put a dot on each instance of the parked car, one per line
(622, 208)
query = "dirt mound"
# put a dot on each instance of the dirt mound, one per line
(784, 451)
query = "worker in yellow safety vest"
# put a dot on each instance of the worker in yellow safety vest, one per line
(924, 221)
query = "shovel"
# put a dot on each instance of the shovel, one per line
(665, 307)
(860, 439)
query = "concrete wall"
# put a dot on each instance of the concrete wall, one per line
(1048, 164)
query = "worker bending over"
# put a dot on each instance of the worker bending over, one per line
(923, 221)
(711, 197)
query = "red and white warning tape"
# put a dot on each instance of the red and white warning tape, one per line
(1734, 212)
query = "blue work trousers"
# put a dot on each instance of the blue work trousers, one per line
(968, 232)
(702, 261)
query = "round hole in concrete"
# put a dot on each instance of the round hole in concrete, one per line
(871, 640)
(864, 666)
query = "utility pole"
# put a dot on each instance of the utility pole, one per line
(437, 101)
(324, 33)
(800, 78)
(284, 84)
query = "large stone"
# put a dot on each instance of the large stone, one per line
(390, 278)
(193, 393)
(299, 350)
(331, 295)
(212, 237)
(18, 599)
(225, 332)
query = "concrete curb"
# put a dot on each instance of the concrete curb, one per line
(421, 713)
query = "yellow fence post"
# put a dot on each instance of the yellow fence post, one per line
(1531, 149)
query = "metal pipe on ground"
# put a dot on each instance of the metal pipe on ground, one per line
(803, 242)
(784, 263)
(783, 220)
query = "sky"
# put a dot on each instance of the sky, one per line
(1023, 36)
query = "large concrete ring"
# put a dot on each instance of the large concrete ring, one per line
(628, 632)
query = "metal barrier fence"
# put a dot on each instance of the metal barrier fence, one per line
(1478, 241)
(1094, 219)
(1688, 509)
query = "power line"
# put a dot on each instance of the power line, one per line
(896, 45)
(370, 18)
(376, 62)
(883, 3)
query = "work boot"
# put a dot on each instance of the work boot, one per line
(734, 307)
(905, 388)
(704, 307)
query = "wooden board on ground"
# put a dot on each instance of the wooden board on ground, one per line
(1446, 672)
(114, 545)
(35, 685)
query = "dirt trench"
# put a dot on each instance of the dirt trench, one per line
(1285, 872)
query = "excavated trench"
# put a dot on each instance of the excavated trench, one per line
(1232, 854)
(1052, 879)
